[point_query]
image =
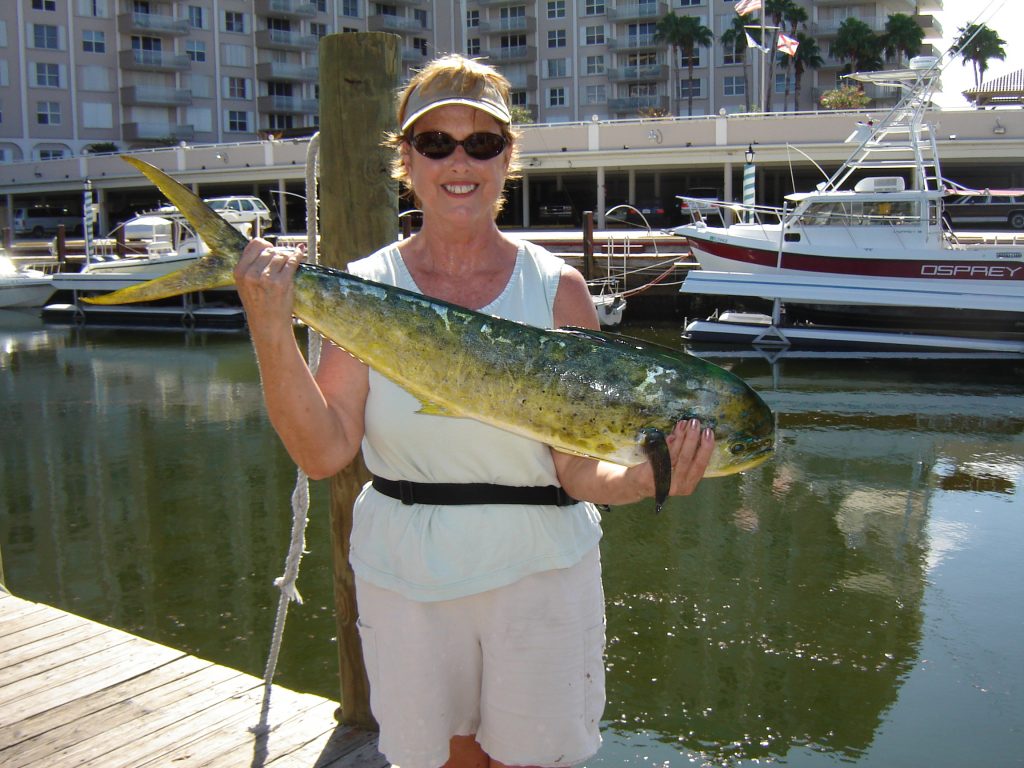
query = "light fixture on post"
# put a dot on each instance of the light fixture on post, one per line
(998, 129)
(749, 154)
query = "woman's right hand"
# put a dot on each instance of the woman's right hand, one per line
(264, 278)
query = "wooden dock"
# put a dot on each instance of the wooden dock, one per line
(76, 693)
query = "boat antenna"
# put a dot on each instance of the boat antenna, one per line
(813, 162)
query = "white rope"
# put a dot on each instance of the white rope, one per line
(300, 495)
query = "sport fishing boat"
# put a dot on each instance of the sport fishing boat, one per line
(868, 248)
(20, 287)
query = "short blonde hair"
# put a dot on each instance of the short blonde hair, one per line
(457, 74)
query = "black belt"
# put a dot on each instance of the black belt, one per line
(471, 493)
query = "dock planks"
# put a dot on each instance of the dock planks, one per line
(76, 693)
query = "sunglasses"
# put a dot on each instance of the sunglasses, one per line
(437, 145)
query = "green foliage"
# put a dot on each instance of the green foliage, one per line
(902, 38)
(977, 44)
(521, 115)
(844, 97)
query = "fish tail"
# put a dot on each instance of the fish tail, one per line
(212, 271)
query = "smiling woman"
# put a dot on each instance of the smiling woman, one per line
(478, 574)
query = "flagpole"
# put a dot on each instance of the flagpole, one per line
(764, 61)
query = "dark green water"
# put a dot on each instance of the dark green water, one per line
(858, 600)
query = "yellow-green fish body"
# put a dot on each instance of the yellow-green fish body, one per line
(583, 392)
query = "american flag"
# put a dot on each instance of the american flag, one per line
(743, 7)
(787, 44)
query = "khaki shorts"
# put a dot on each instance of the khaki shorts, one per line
(520, 666)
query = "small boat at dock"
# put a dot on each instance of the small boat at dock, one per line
(21, 286)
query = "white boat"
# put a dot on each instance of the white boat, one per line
(872, 239)
(21, 287)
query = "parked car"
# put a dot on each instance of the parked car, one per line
(242, 209)
(990, 209)
(645, 213)
(701, 199)
(39, 220)
(557, 209)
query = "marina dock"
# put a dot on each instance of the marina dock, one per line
(74, 692)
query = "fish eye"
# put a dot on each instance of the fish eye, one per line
(737, 448)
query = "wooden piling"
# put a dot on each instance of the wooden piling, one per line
(588, 244)
(359, 75)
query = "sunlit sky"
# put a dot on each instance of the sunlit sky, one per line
(997, 14)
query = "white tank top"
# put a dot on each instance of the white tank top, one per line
(436, 552)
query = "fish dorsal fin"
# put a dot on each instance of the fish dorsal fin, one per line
(625, 341)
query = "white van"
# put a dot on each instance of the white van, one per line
(39, 220)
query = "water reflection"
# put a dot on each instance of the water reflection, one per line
(775, 614)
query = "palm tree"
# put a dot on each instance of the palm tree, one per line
(684, 33)
(977, 44)
(902, 38)
(856, 44)
(808, 56)
(735, 39)
(794, 15)
(776, 10)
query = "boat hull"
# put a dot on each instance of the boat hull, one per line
(25, 292)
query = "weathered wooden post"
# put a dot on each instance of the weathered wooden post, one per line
(359, 75)
(588, 244)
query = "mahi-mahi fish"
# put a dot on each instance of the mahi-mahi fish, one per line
(580, 391)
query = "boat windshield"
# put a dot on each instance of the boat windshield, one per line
(861, 213)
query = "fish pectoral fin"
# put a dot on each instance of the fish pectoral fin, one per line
(655, 447)
(433, 409)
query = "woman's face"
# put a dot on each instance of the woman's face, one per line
(457, 188)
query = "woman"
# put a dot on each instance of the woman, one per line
(481, 615)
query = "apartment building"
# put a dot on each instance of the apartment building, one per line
(94, 75)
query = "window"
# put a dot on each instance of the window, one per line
(688, 88)
(94, 41)
(734, 86)
(279, 122)
(517, 98)
(594, 35)
(556, 9)
(642, 33)
(44, 5)
(556, 67)
(556, 38)
(317, 29)
(195, 50)
(321, 5)
(45, 36)
(47, 75)
(48, 113)
(593, 8)
(95, 8)
(421, 44)
(556, 97)
(350, 8)
(238, 121)
(196, 17)
(781, 81)
(595, 65)
(97, 115)
(692, 60)
(732, 54)
(51, 154)
(421, 17)
(595, 94)
(234, 21)
(238, 88)
(685, 3)
(473, 46)
(472, 19)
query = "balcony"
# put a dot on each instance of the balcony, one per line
(152, 24)
(632, 42)
(383, 22)
(157, 132)
(287, 71)
(153, 61)
(504, 26)
(414, 56)
(154, 96)
(930, 24)
(282, 40)
(512, 54)
(286, 9)
(497, 3)
(522, 82)
(293, 105)
(646, 72)
(636, 103)
(638, 11)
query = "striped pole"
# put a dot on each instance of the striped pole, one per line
(749, 188)
(88, 217)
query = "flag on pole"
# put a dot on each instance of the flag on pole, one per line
(752, 43)
(743, 7)
(787, 44)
